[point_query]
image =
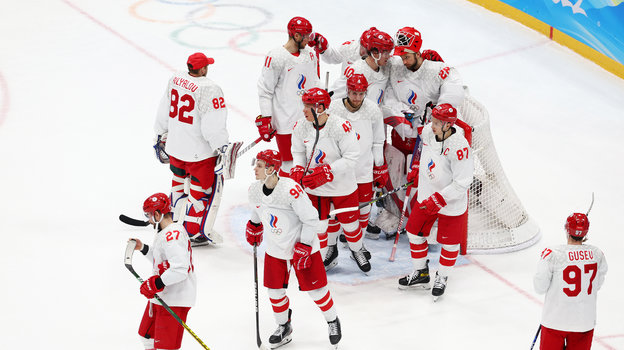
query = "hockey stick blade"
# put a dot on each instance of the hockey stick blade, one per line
(132, 222)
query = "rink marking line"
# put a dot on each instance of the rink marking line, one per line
(504, 53)
(4, 107)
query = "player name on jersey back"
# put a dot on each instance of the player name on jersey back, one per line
(185, 84)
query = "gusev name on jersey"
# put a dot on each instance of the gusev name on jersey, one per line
(571, 276)
(283, 80)
(337, 146)
(369, 128)
(173, 246)
(287, 216)
(194, 114)
(446, 167)
(377, 81)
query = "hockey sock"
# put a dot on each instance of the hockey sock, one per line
(280, 304)
(324, 301)
(353, 233)
(448, 256)
(364, 214)
(148, 344)
(333, 231)
(418, 249)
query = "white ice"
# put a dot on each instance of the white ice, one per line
(79, 85)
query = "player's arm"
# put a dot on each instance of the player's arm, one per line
(177, 251)
(161, 125)
(349, 149)
(451, 88)
(308, 215)
(269, 77)
(602, 272)
(391, 109)
(544, 273)
(297, 148)
(462, 168)
(379, 137)
(339, 87)
(214, 117)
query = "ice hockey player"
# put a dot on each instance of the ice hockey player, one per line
(173, 276)
(443, 177)
(191, 129)
(287, 72)
(349, 52)
(281, 205)
(570, 275)
(325, 152)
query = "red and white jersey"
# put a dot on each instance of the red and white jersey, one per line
(571, 276)
(337, 146)
(194, 114)
(284, 79)
(433, 82)
(287, 216)
(369, 128)
(377, 80)
(172, 245)
(345, 54)
(446, 167)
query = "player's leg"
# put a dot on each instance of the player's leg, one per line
(205, 198)
(450, 231)
(329, 250)
(418, 227)
(579, 340)
(551, 339)
(365, 194)
(168, 331)
(352, 230)
(284, 143)
(331, 254)
(276, 273)
(178, 197)
(146, 328)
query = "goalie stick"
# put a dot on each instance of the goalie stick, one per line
(128, 262)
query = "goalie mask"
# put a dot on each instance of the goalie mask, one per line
(157, 201)
(577, 225)
(407, 40)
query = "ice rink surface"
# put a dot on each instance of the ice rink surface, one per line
(79, 86)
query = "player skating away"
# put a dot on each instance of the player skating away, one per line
(349, 52)
(173, 276)
(443, 177)
(192, 118)
(287, 72)
(570, 275)
(292, 228)
(327, 148)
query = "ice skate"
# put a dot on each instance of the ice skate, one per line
(418, 279)
(438, 286)
(282, 335)
(335, 333)
(331, 258)
(372, 232)
(361, 259)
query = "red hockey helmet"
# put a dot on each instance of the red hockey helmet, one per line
(445, 112)
(157, 201)
(270, 158)
(366, 35)
(358, 83)
(316, 96)
(577, 225)
(408, 40)
(299, 25)
(379, 40)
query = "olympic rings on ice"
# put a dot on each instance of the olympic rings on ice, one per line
(176, 36)
(268, 16)
(187, 3)
(208, 8)
(232, 43)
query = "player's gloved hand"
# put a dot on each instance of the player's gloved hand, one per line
(264, 127)
(408, 114)
(412, 176)
(320, 175)
(221, 158)
(151, 286)
(396, 120)
(297, 173)
(380, 175)
(432, 55)
(159, 148)
(163, 266)
(301, 256)
(253, 233)
(433, 204)
(318, 42)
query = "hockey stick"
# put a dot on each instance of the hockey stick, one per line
(398, 231)
(249, 146)
(128, 262)
(132, 222)
(255, 258)
(344, 210)
(536, 335)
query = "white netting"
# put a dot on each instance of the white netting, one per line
(497, 221)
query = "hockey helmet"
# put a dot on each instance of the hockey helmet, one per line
(270, 158)
(408, 40)
(445, 112)
(577, 225)
(316, 96)
(379, 40)
(299, 25)
(157, 201)
(358, 83)
(366, 35)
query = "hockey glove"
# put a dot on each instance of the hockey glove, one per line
(159, 147)
(221, 160)
(432, 55)
(296, 173)
(320, 175)
(380, 175)
(395, 121)
(301, 256)
(253, 233)
(151, 286)
(318, 42)
(412, 176)
(264, 127)
(433, 204)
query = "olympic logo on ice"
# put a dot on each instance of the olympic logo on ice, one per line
(301, 84)
(273, 224)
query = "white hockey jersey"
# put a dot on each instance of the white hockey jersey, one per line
(377, 81)
(433, 82)
(283, 80)
(571, 276)
(337, 146)
(446, 167)
(345, 54)
(172, 245)
(287, 216)
(369, 130)
(194, 114)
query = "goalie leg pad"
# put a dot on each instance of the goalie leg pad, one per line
(201, 215)
(178, 197)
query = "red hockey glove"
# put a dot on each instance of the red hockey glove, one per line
(297, 173)
(162, 267)
(432, 55)
(318, 42)
(395, 121)
(152, 286)
(264, 127)
(380, 175)
(433, 204)
(254, 233)
(413, 175)
(320, 175)
(301, 256)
